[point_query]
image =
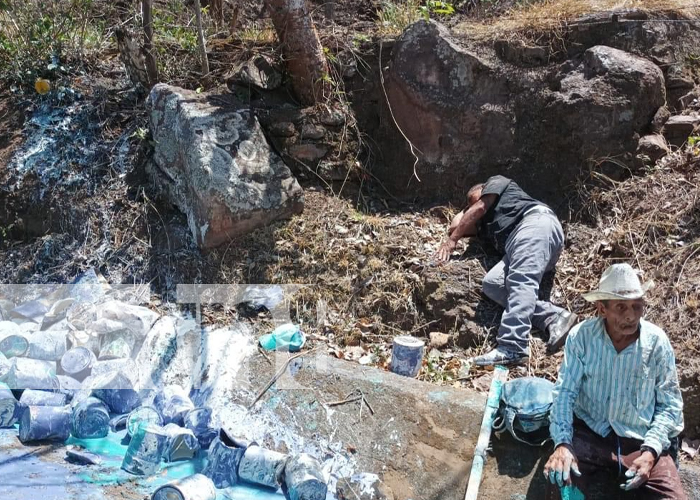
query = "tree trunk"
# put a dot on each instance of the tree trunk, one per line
(217, 11)
(151, 67)
(301, 48)
(200, 38)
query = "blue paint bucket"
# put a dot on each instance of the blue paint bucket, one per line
(14, 345)
(32, 397)
(145, 451)
(303, 479)
(200, 423)
(196, 487)
(182, 444)
(78, 362)
(44, 423)
(28, 373)
(141, 415)
(117, 392)
(90, 419)
(407, 355)
(68, 386)
(9, 407)
(173, 403)
(48, 346)
(225, 455)
(262, 467)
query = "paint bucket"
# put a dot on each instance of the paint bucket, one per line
(407, 355)
(261, 466)
(14, 345)
(118, 423)
(117, 392)
(68, 386)
(125, 366)
(117, 345)
(182, 444)
(196, 487)
(32, 397)
(78, 362)
(145, 450)
(9, 407)
(90, 419)
(225, 455)
(33, 310)
(173, 403)
(303, 479)
(199, 422)
(142, 414)
(48, 346)
(28, 373)
(44, 423)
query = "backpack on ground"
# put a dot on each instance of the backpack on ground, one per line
(524, 410)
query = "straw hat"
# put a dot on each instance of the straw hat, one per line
(619, 282)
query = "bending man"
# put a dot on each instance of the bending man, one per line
(530, 237)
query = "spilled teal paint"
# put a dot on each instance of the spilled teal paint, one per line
(571, 492)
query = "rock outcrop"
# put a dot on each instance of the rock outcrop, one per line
(213, 162)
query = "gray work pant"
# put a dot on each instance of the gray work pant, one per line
(531, 250)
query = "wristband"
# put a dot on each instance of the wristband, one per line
(651, 450)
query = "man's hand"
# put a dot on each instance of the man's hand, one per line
(638, 474)
(561, 465)
(445, 250)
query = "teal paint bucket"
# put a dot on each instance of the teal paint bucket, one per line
(142, 415)
(90, 419)
(199, 421)
(44, 423)
(47, 346)
(173, 403)
(195, 487)
(117, 345)
(182, 444)
(28, 373)
(116, 391)
(261, 466)
(145, 451)
(14, 345)
(78, 363)
(407, 355)
(9, 407)
(303, 479)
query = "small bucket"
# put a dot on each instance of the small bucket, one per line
(261, 466)
(199, 422)
(9, 407)
(47, 346)
(173, 403)
(28, 373)
(117, 345)
(117, 392)
(44, 423)
(14, 345)
(78, 362)
(196, 487)
(145, 451)
(225, 455)
(182, 443)
(32, 397)
(90, 419)
(407, 355)
(303, 479)
(142, 414)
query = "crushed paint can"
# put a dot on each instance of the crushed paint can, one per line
(77, 362)
(145, 450)
(48, 346)
(200, 423)
(44, 423)
(32, 397)
(174, 403)
(28, 373)
(303, 479)
(9, 407)
(182, 443)
(90, 419)
(118, 423)
(57, 313)
(225, 455)
(78, 455)
(262, 467)
(33, 311)
(142, 414)
(117, 345)
(407, 355)
(14, 345)
(195, 487)
(117, 392)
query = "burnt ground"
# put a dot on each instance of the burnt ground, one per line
(364, 252)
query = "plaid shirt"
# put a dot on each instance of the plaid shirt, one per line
(634, 393)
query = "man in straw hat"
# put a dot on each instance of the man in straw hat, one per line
(530, 237)
(617, 402)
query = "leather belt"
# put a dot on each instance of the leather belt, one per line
(538, 209)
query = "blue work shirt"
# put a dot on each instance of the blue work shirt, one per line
(634, 393)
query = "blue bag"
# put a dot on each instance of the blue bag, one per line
(524, 410)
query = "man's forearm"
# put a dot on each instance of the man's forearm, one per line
(468, 224)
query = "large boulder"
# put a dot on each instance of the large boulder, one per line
(213, 162)
(469, 114)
